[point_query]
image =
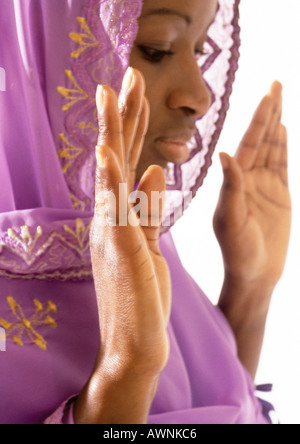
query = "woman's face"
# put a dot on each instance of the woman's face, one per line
(169, 43)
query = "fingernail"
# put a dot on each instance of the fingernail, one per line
(100, 157)
(126, 85)
(128, 79)
(100, 97)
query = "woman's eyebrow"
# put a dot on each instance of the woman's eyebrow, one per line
(166, 11)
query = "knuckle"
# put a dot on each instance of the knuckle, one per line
(132, 108)
(105, 131)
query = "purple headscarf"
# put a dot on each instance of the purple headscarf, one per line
(54, 54)
(52, 70)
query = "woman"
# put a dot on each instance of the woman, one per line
(166, 355)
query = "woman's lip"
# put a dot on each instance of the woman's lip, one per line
(173, 150)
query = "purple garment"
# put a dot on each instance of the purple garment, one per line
(203, 382)
(54, 53)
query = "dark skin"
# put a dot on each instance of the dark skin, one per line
(171, 39)
(147, 126)
(252, 224)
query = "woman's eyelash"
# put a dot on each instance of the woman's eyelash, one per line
(157, 55)
(154, 55)
(201, 52)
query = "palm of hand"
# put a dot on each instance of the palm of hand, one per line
(252, 221)
(131, 276)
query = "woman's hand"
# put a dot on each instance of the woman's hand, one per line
(253, 218)
(131, 277)
(252, 224)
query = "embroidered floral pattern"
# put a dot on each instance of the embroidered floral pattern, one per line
(25, 239)
(27, 326)
(85, 40)
(43, 254)
(97, 56)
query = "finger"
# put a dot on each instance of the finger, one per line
(153, 185)
(130, 105)
(275, 148)
(233, 177)
(272, 129)
(138, 143)
(107, 186)
(248, 150)
(110, 125)
(231, 211)
(284, 155)
(276, 94)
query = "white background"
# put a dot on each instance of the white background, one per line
(270, 50)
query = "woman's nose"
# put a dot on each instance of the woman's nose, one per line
(190, 93)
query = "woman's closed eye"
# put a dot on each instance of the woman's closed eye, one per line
(154, 55)
(200, 53)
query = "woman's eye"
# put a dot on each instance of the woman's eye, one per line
(154, 55)
(200, 53)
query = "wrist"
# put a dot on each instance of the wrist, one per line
(258, 290)
(246, 306)
(247, 300)
(116, 395)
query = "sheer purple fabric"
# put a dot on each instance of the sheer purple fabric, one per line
(54, 54)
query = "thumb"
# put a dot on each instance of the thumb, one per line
(153, 187)
(230, 209)
(233, 175)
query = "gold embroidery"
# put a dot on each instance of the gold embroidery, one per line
(86, 40)
(80, 234)
(87, 128)
(69, 152)
(74, 95)
(30, 251)
(80, 274)
(76, 202)
(25, 239)
(28, 326)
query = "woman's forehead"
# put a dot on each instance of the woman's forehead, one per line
(199, 12)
